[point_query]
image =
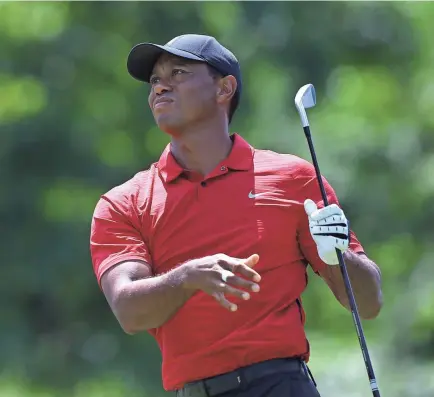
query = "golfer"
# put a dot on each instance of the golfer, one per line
(207, 250)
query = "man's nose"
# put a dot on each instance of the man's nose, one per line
(161, 87)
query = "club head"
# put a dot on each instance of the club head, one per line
(305, 99)
(306, 95)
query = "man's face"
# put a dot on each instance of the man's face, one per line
(183, 92)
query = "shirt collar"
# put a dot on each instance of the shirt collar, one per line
(240, 159)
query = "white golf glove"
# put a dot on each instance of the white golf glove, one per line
(330, 230)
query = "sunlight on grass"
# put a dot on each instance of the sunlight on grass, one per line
(69, 200)
(20, 97)
(24, 20)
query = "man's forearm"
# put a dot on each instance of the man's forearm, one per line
(148, 303)
(365, 280)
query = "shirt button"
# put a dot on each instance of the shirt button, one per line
(203, 183)
(223, 168)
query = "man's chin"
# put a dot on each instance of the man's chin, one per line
(168, 125)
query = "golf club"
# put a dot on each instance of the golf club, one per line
(306, 98)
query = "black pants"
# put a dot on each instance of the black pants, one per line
(273, 378)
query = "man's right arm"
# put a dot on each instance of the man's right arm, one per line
(142, 302)
(138, 300)
(141, 299)
(122, 265)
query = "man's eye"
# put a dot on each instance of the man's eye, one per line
(177, 71)
(154, 80)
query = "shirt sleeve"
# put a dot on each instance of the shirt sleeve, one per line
(309, 188)
(115, 236)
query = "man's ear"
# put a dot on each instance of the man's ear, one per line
(226, 89)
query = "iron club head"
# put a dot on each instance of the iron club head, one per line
(304, 99)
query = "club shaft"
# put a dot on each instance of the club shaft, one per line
(346, 278)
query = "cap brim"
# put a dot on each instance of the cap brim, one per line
(143, 56)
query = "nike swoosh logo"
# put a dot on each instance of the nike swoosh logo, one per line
(252, 196)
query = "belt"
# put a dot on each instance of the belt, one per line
(241, 377)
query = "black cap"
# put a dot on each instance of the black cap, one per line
(143, 56)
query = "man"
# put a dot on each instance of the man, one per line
(207, 249)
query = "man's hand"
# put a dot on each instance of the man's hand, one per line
(329, 229)
(216, 275)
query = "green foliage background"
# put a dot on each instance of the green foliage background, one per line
(73, 124)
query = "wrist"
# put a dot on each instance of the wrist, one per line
(182, 276)
(348, 254)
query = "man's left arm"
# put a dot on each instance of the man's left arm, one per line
(321, 231)
(365, 277)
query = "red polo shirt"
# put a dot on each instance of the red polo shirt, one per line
(251, 203)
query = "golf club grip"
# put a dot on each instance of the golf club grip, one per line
(346, 278)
